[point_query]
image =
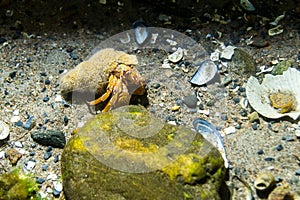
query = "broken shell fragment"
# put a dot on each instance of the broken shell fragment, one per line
(141, 32)
(205, 73)
(277, 96)
(264, 184)
(210, 133)
(4, 130)
(275, 31)
(227, 52)
(176, 56)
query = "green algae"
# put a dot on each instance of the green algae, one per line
(281, 67)
(242, 63)
(110, 163)
(17, 186)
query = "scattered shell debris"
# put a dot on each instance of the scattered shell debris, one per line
(176, 56)
(141, 32)
(277, 96)
(247, 5)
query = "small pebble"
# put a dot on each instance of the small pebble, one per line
(40, 180)
(30, 165)
(279, 147)
(18, 144)
(229, 130)
(297, 172)
(15, 119)
(2, 154)
(56, 158)
(236, 100)
(66, 120)
(224, 117)
(32, 153)
(46, 99)
(190, 101)
(260, 152)
(44, 89)
(58, 187)
(288, 138)
(254, 126)
(238, 126)
(29, 124)
(47, 155)
(49, 148)
(269, 159)
(47, 82)
(45, 167)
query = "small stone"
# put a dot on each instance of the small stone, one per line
(224, 117)
(2, 154)
(66, 120)
(47, 155)
(190, 101)
(279, 147)
(29, 124)
(260, 152)
(253, 117)
(288, 138)
(49, 148)
(13, 156)
(269, 159)
(229, 130)
(255, 126)
(297, 133)
(58, 98)
(58, 187)
(50, 138)
(45, 167)
(47, 82)
(238, 126)
(46, 99)
(15, 119)
(18, 144)
(297, 172)
(236, 100)
(32, 153)
(30, 165)
(175, 108)
(56, 158)
(40, 180)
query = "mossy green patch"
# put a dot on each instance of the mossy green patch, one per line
(17, 186)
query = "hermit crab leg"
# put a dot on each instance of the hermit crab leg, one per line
(111, 84)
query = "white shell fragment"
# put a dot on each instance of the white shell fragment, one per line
(247, 5)
(176, 56)
(275, 31)
(4, 130)
(259, 95)
(206, 72)
(228, 52)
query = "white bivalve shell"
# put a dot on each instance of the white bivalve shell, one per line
(287, 84)
(205, 73)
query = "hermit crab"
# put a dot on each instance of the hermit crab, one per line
(109, 75)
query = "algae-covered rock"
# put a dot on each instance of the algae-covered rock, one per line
(242, 63)
(17, 186)
(281, 67)
(129, 154)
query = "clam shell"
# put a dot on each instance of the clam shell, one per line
(258, 95)
(4, 130)
(205, 73)
(210, 133)
(141, 32)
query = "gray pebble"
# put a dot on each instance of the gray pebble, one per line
(49, 138)
(297, 172)
(190, 101)
(254, 126)
(279, 147)
(45, 167)
(47, 155)
(29, 124)
(40, 180)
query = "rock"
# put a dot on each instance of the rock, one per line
(242, 63)
(15, 185)
(49, 138)
(281, 67)
(156, 161)
(13, 156)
